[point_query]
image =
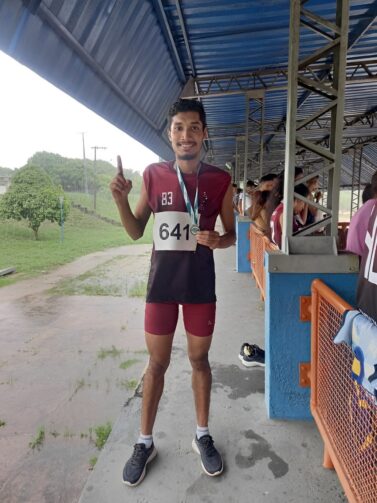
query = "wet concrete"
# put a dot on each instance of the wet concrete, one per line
(265, 461)
(54, 372)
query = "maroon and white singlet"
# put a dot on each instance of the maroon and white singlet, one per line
(184, 277)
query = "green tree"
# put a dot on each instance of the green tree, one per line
(33, 196)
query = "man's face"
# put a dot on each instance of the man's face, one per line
(186, 134)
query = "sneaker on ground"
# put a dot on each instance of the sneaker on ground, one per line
(135, 468)
(211, 459)
(251, 355)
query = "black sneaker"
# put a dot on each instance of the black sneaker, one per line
(212, 462)
(135, 468)
(251, 355)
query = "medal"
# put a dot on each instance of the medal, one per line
(193, 211)
(194, 229)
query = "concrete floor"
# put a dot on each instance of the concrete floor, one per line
(265, 460)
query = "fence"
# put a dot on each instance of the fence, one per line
(346, 414)
(259, 243)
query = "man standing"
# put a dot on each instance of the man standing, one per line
(186, 196)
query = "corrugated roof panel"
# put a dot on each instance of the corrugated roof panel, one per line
(124, 59)
(130, 98)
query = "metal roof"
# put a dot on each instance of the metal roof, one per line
(128, 60)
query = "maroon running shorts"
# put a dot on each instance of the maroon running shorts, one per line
(161, 318)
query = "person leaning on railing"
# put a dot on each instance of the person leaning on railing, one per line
(276, 221)
(257, 211)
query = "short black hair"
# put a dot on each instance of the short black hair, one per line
(268, 178)
(187, 106)
(298, 171)
(302, 189)
(373, 183)
(234, 185)
(367, 193)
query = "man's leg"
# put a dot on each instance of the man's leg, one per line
(159, 347)
(198, 348)
(199, 323)
(159, 319)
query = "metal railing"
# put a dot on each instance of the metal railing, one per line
(345, 413)
(259, 243)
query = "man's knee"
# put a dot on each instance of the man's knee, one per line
(200, 363)
(157, 368)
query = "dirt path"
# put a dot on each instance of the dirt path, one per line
(67, 365)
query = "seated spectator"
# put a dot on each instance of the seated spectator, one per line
(359, 222)
(276, 222)
(235, 197)
(245, 198)
(267, 182)
(274, 198)
(257, 211)
(309, 213)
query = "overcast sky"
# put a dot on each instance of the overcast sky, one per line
(36, 116)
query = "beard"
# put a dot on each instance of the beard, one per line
(186, 157)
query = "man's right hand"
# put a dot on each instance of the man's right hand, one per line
(120, 188)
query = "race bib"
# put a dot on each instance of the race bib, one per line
(173, 230)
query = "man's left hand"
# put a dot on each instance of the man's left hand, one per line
(208, 238)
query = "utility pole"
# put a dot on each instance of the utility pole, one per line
(95, 148)
(84, 163)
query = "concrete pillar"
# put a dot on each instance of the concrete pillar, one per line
(287, 337)
(243, 244)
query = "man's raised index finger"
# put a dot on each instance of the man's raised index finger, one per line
(119, 165)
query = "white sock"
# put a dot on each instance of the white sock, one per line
(201, 431)
(145, 439)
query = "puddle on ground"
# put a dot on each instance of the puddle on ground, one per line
(242, 382)
(118, 277)
(257, 449)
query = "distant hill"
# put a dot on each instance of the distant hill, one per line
(6, 171)
(69, 173)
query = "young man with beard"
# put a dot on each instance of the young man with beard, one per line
(186, 196)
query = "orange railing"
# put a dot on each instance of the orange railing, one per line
(259, 243)
(346, 414)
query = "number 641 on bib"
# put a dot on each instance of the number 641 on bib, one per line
(171, 231)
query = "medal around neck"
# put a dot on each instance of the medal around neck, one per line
(194, 229)
(193, 211)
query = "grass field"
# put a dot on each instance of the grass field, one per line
(105, 205)
(83, 234)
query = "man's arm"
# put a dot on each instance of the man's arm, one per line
(212, 239)
(134, 223)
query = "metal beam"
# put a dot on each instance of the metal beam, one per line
(185, 37)
(46, 15)
(329, 149)
(363, 26)
(355, 35)
(164, 23)
(290, 153)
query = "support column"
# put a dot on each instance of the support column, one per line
(287, 345)
(330, 86)
(356, 180)
(289, 274)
